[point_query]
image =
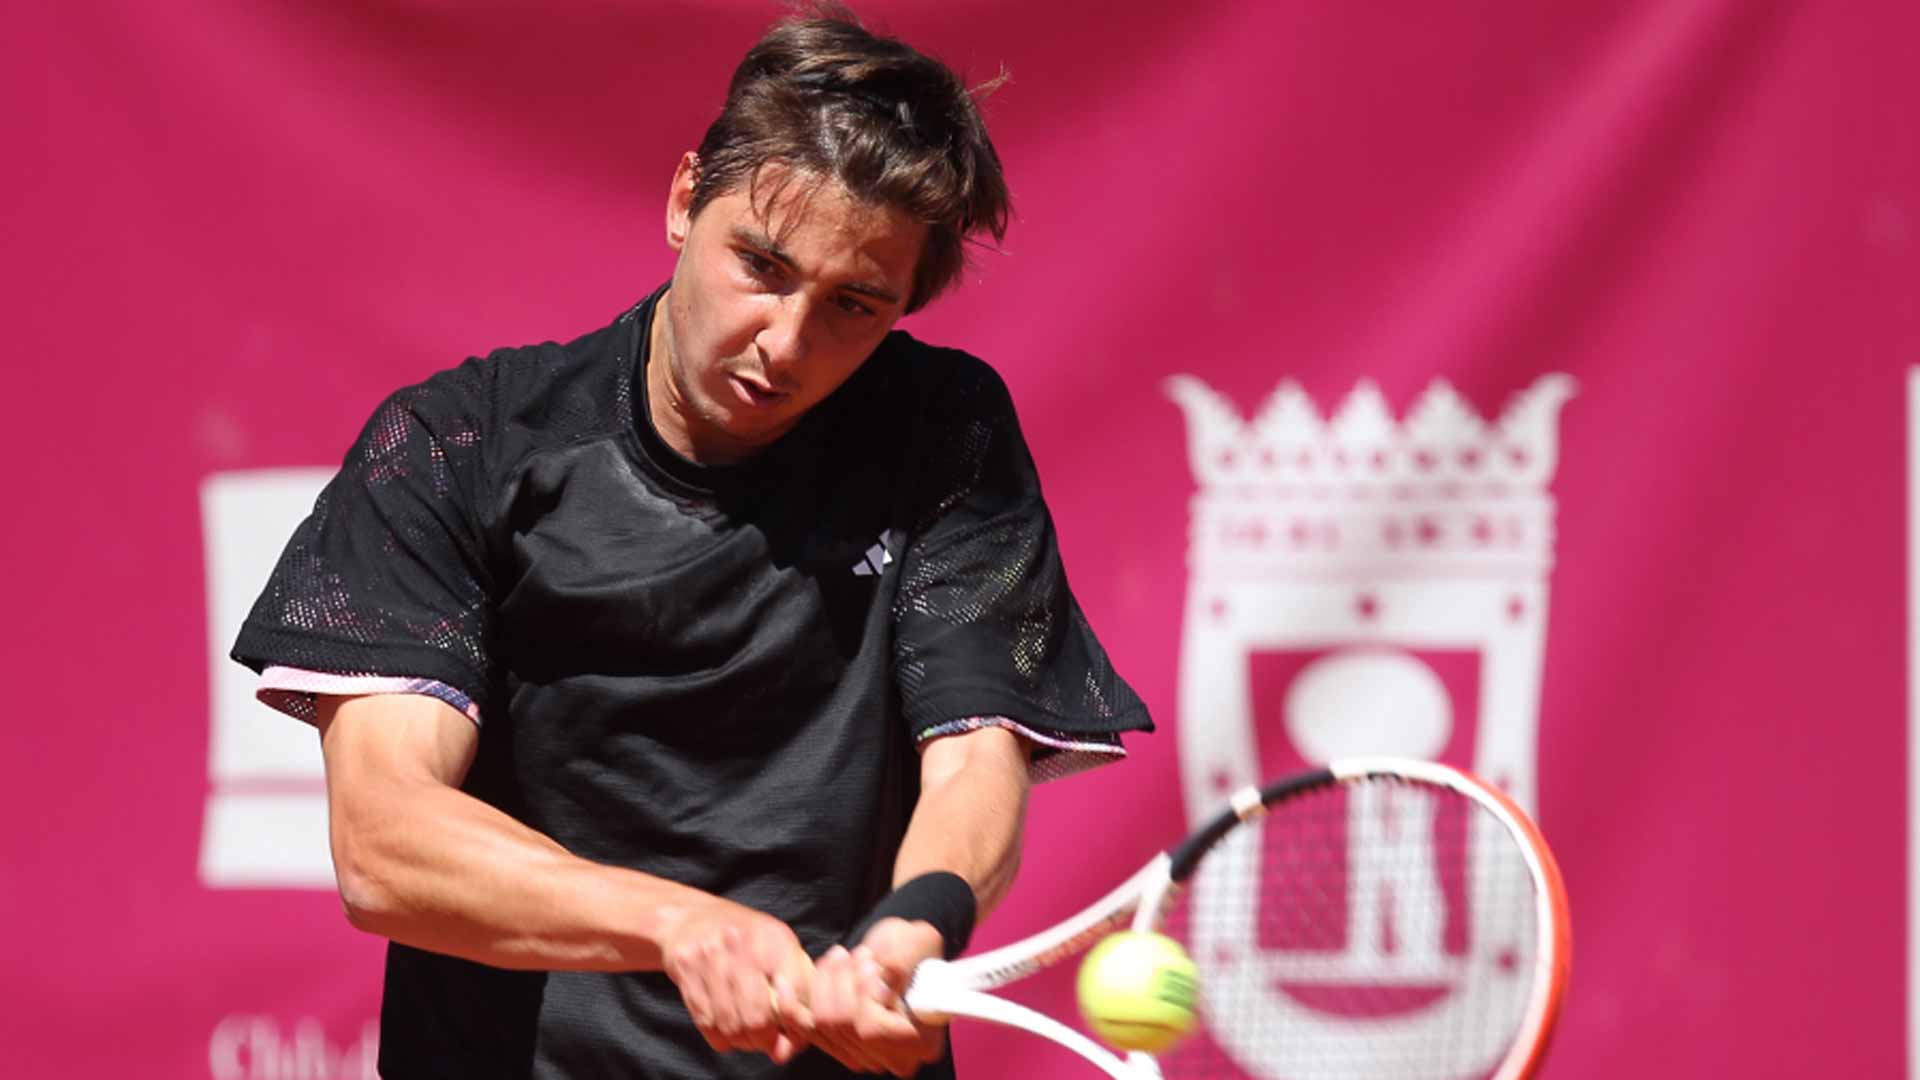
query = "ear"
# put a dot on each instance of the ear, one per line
(680, 200)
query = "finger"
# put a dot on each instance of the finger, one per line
(790, 1021)
(837, 1014)
(872, 979)
(755, 1001)
(828, 997)
(721, 992)
(885, 1027)
(777, 950)
(794, 971)
(849, 1053)
(831, 1004)
(891, 1039)
(789, 1009)
(913, 1049)
(900, 946)
(687, 974)
(885, 1035)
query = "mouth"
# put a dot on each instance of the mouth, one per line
(755, 394)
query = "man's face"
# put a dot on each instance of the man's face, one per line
(772, 307)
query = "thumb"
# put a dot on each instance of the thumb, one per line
(898, 946)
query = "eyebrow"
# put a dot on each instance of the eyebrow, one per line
(754, 238)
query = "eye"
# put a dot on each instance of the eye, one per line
(851, 306)
(758, 265)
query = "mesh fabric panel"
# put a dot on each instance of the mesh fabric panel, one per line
(986, 622)
(387, 574)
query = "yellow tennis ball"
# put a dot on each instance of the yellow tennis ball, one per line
(1138, 990)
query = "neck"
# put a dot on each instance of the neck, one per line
(663, 404)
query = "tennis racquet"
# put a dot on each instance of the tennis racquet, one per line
(1375, 918)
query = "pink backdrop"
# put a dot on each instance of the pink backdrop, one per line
(230, 228)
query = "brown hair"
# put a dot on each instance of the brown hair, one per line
(898, 128)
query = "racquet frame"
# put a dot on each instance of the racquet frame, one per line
(942, 988)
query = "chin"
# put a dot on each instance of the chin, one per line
(740, 431)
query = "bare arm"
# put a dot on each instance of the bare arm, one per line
(425, 864)
(973, 799)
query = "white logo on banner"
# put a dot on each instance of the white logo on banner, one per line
(257, 1048)
(266, 818)
(1359, 585)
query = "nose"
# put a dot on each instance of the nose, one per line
(783, 339)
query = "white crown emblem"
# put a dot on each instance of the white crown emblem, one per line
(1362, 493)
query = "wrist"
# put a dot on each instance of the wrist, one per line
(941, 899)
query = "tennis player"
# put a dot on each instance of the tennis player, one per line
(680, 687)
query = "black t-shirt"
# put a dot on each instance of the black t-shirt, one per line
(717, 675)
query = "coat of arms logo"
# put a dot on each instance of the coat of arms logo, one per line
(1363, 585)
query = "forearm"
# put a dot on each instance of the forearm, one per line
(969, 815)
(435, 868)
(426, 864)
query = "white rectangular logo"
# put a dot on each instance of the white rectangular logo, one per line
(266, 816)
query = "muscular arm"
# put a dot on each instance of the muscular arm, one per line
(425, 864)
(973, 799)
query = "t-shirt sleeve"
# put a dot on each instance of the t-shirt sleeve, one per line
(985, 624)
(388, 575)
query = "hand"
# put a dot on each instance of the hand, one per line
(855, 999)
(739, 972)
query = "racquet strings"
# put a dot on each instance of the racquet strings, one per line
(1380, 928)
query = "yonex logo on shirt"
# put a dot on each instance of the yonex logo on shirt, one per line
(876, 558)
